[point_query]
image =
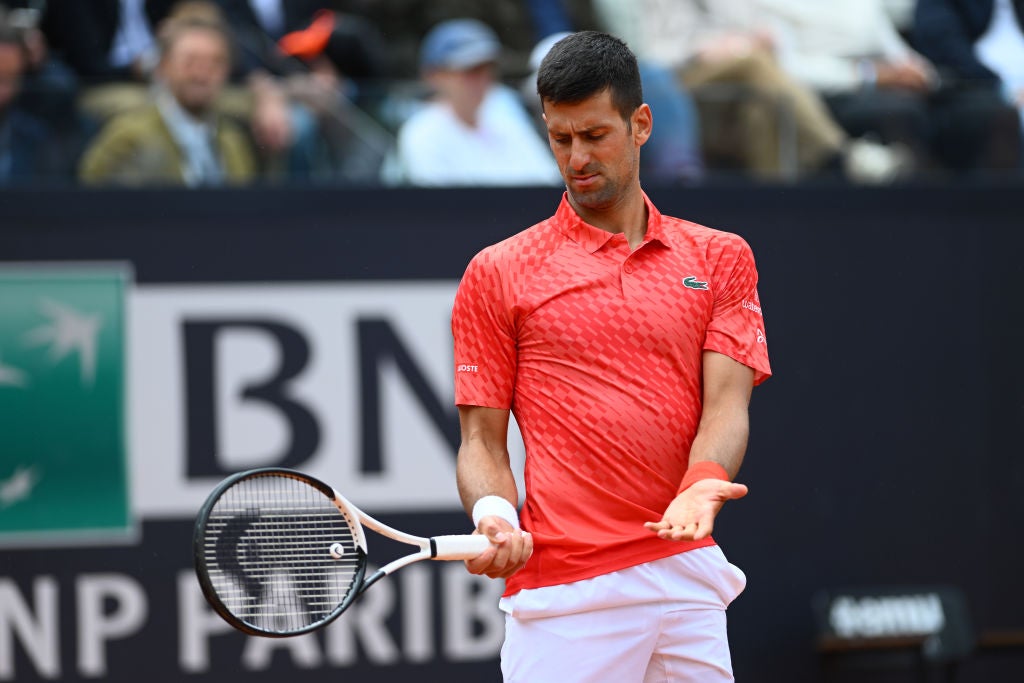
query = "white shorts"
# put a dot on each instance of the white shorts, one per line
(654, 623)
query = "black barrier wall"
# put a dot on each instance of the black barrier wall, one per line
(885, 451)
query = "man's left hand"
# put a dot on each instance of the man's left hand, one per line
(691, 515)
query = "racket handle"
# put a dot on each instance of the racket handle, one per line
(459, 547)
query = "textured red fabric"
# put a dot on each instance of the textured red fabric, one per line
(597, 350)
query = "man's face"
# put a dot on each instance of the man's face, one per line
(464, 88)
(11, 66)
(597, 152)
(195, 69)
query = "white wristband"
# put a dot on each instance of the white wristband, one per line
(496, 506)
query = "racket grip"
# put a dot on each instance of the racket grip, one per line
(459, 547)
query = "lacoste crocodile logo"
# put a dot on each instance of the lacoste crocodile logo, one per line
(693, 283)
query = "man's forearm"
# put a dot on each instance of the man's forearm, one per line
(482, 472)
(722, 438)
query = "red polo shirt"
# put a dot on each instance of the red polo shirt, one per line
(597, 351)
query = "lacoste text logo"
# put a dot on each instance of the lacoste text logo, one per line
(466, 368)
(693, 283)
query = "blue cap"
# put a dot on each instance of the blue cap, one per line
(459, 44)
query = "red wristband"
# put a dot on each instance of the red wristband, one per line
(705, 469)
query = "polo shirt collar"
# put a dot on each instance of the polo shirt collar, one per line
(592, 238)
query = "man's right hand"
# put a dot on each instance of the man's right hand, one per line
(510, 549)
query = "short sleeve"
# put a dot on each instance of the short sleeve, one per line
(484, 335)
(737, 325)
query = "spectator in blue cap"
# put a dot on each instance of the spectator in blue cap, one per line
(473, 130)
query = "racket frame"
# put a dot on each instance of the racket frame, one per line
(202, 570)
(445, 547)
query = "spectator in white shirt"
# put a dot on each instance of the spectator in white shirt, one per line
(475, 130)
(873, 81)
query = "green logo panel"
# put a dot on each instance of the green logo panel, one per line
(63, 465)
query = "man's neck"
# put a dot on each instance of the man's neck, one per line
(627, 216)
(470, 116)
(170, 105)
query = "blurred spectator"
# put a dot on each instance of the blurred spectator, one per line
(405, 22)
(332, 63)
(179, 139)
(306, 63)
(673, 152)
(110, 47)
(753, 115)
(285, 131)
(976, 44)
(901, 13)
(337, 52)
(306, 37)
(258, 25)
(475, 131)
(50, 86)
(106, 40)
(874, 83)
(24, 140)
(558, 16)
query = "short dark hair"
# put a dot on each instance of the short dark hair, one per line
(587, 63)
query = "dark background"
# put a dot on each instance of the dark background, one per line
(885, 451)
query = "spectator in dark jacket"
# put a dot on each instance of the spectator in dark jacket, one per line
(977, 44)
(106, 40)
(24, 140)
(948, 32)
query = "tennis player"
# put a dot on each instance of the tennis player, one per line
(626, 343)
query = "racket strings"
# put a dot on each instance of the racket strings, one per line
(268, 551)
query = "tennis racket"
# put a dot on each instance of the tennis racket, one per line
(279, 553)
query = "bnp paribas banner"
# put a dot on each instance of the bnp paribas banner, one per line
(123, 404)
(63, 469)
(348, 381)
